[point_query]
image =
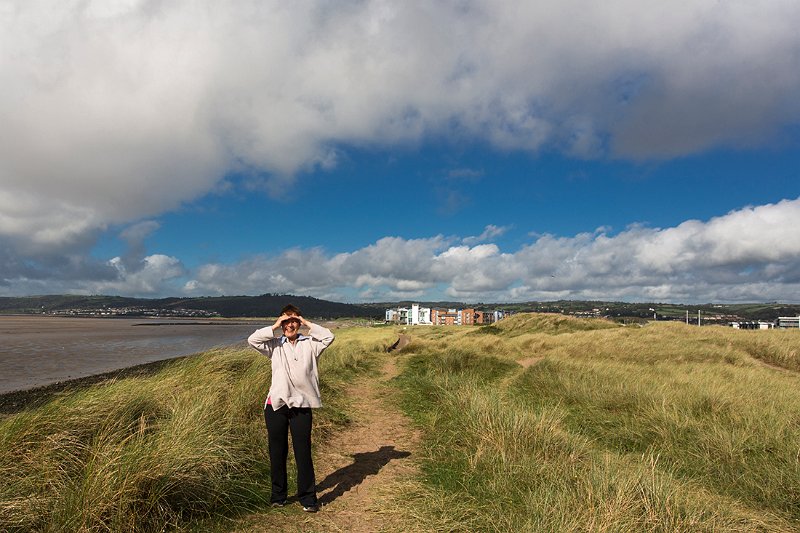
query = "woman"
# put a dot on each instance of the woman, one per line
(293, 393)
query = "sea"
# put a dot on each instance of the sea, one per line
(41, 350)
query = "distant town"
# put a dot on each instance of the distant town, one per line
(743, 315)
(417, 315)
(783, 322)
(132, 312)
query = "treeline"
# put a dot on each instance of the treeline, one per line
(226, 306)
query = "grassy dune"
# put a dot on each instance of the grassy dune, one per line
(659, 428)
(538, 423)
(160, 452)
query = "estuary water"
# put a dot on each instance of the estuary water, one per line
(40, 350)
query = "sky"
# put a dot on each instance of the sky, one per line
(366, 150)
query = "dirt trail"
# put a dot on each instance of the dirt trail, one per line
(773, 366)
(356, 469)
(402, 342)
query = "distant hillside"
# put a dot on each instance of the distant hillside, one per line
(271, 304)
(226, 306)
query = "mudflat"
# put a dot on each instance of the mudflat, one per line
(42, 350)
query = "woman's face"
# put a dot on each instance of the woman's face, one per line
(291, 327)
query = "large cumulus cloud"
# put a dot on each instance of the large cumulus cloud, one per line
(115, 111)
(118, 110)
(752, 254)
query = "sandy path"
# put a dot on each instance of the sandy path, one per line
(357, 468)
(402, 342)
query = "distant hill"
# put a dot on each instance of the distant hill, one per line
(226, 306)
(271, 304)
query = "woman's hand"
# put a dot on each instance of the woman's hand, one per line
(280, 320)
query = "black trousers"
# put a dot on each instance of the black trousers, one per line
(279, 423)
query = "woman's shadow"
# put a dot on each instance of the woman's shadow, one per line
(363, 465)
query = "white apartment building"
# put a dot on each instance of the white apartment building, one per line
(413, 316)
(497, 316)
(425, 316)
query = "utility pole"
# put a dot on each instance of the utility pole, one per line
(698, 317)
(687, 317)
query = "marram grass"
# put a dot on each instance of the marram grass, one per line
(604, 428)
(160, 452)
(538, 423)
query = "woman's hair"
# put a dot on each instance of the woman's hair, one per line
(291, 310)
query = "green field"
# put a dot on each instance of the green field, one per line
(537, 423)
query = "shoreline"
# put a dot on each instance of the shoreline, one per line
(42, 351)
(13, 402)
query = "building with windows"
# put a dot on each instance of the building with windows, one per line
(490, 317)
(468, 317)
(444, 317)
(786, 322)
(416, 315)
(752, 324)
(411, 316)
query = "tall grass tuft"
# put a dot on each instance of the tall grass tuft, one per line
(553, 324)
(159, 452)
(661, 428)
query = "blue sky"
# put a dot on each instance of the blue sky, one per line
(419, 193)
(628, 151)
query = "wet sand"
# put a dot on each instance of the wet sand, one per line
(38, 351)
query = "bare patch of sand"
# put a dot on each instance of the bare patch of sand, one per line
(401, 342)
(529, 362)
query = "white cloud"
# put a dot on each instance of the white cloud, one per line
(398, 264)
(152, 278)
(115, 111)
(752, 254)
(489, 232)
